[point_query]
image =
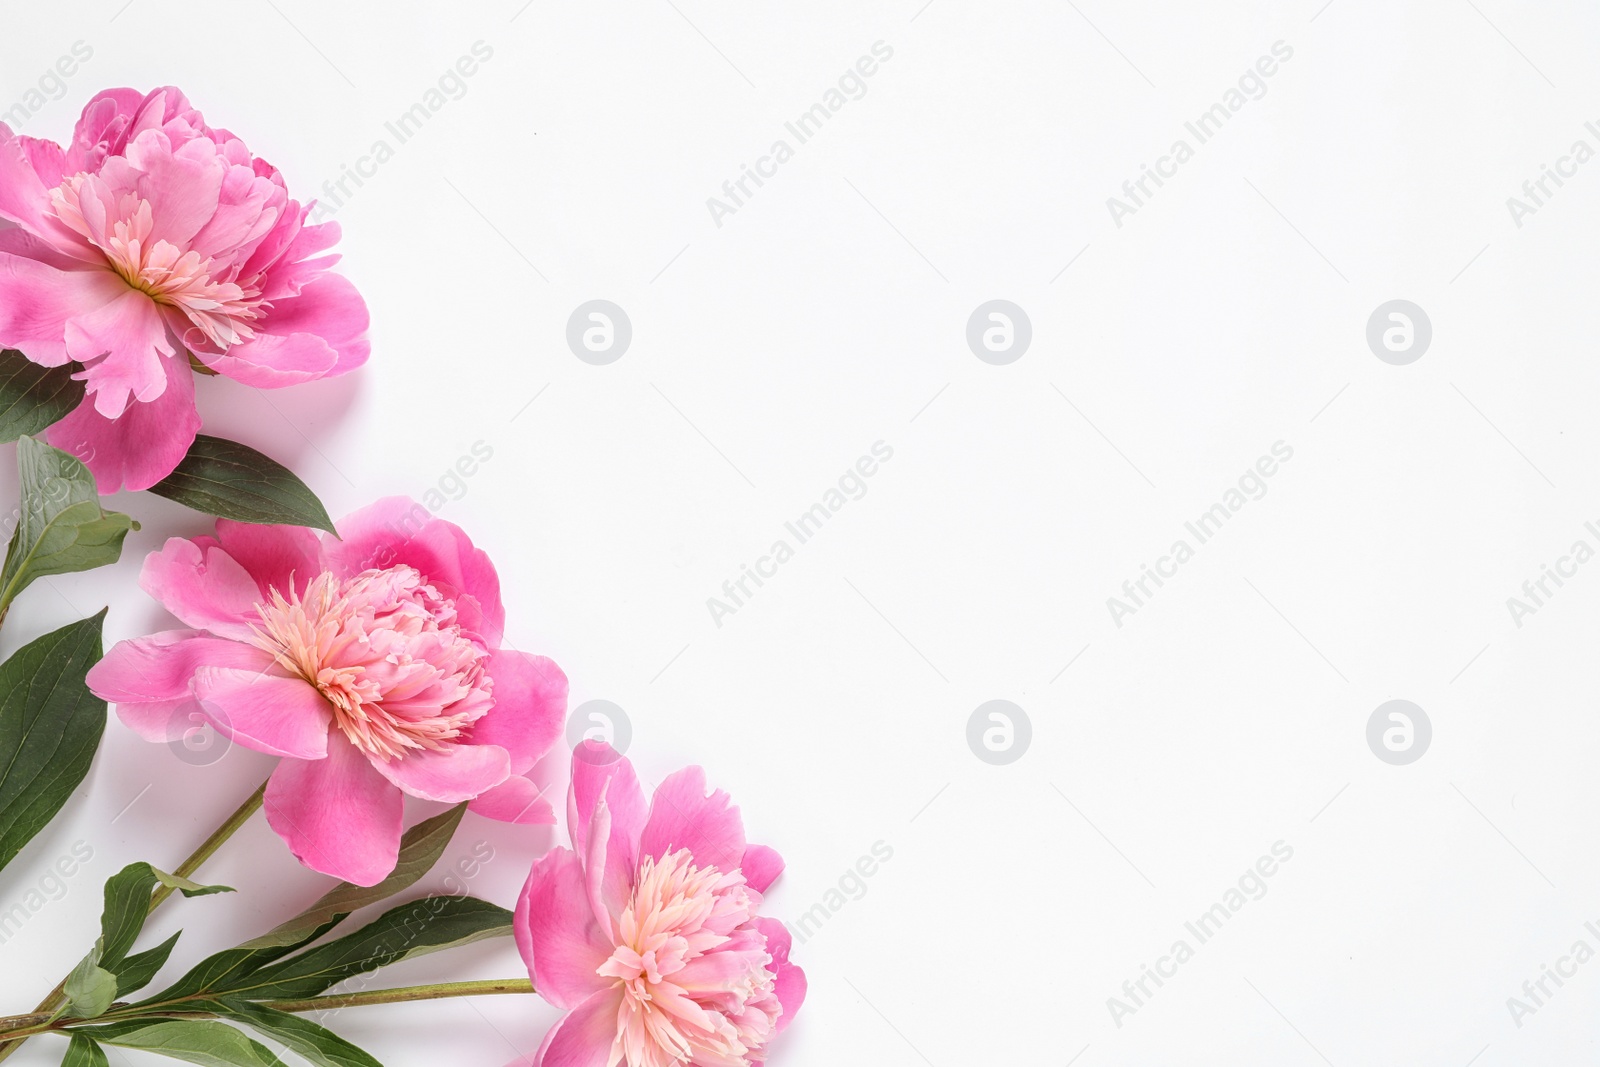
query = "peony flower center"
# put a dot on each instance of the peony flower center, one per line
(122, 227)
(386, 651)
(694, 974)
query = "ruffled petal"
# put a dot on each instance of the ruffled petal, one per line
(319, 333)
(148, 679)
(277, 557)
(144, 445)
(530, 705)
(203, 586)
(684, 814)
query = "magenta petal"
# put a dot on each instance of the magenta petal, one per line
(203, 586)
(561, 943)
(141, 447)
(684, 815)
(320, 332)
(761, 866)
(272, 554)
(451, 774)
(609, 786)
(530, 705)
(148, 679)
(516, 800)
(790, 986)
(583, 1038)
(37, 300)
(337, 815)
(132, 337)
(397, 530)
(271, 714)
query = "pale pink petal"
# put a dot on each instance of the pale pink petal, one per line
(607, 783)
(143, 446)
(530, 705)
(338, 815)
(583, 1038)
(203, 586)
(516, 800)
(761, 866)
(182, 186)
(272, 554)
(683, 814)
(148, 678)
(124, 346)
(269, 713)
(451, 774)
(560, 941)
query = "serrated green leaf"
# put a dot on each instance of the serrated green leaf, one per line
(50, 726)
(317, 1044)
(201, 1041)
(233, 481)
(420, 849)
(90, 988)
(83, 1052)
(63, 528)
(34, 397)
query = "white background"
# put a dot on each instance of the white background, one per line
(829, 313)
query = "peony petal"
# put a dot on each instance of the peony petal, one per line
(451, 774)
(791, 984)
(560, 941)
(684, 815)
(319, 333)
(398, 530)
(203, 586)
(269, 713)
(338, 815)
(272, 554)
(148, 678)
(530, 705)
(761, 866)
(38, 298)
(516, 800)
(124, 346)
(584, 1037)
(141, 447)
(609, 784)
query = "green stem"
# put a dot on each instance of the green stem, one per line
(18, 1028)
(404, 995)
(52, 1003)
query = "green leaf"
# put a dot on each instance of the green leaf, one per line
(414, 929)
(50, 726)
(211, 1044)
(62, 528)
(84, 1053)
(127, 905)
(317, 1044)
(420, 849)
(33, 397)
(90, 988)
(232, 481)
(137, 970)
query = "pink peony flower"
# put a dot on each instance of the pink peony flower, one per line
(150, 238)
(648, 933)
(372, 665)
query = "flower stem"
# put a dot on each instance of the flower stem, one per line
(404, 995)
(207, 849)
